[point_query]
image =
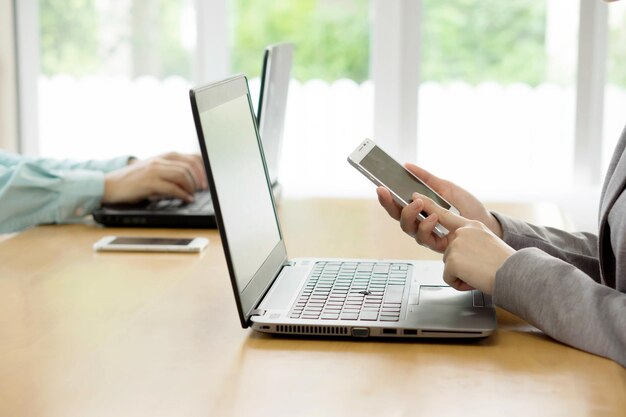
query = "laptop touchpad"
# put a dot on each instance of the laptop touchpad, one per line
(443, 295)
(285, 288)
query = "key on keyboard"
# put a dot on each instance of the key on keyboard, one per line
(353, 291)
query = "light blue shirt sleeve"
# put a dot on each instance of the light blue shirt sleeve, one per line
(38, 191)
(8, 159)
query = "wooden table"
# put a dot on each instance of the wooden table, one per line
(104, 334)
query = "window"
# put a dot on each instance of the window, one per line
(498, 93)
(115, 77)
(615, 92)
(330, 98)
(495, 79)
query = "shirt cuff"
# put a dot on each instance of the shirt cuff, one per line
(81, 195)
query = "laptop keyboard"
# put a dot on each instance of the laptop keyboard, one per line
(353, 291)
(202, 202)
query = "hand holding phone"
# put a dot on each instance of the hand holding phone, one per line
(383, 170)
(150, 244)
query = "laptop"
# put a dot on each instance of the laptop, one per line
(310, 296)
(176, 213)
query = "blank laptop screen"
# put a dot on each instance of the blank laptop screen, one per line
(241, 185)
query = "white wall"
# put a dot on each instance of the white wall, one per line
(8, 96)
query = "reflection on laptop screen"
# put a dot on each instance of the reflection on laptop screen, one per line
(241, 183)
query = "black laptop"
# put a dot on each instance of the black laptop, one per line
(200, 214)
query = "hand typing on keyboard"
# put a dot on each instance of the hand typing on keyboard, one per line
(169, 175)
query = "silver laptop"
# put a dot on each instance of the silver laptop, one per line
(330, 297)
(172, 212)
(271, 110)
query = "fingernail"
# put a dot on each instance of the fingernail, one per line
(415, 196)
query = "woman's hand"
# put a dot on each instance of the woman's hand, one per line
(472, 252)
(469, 207)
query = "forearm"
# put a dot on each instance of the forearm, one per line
(578, 249)
(30, 195)
(564, 302)
(101, 165)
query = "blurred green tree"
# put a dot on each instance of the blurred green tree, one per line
(484, 40)
(469, 40)
(68, 37)
(331, 38)
(617, 54)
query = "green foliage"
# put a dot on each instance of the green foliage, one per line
(331, 40)
(617, 54)
(470, 40)
(157, 48)
(480, 40)
(68, 36)
(175, 60)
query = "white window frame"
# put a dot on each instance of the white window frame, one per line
(590, 84)
(28, 68)
(395, 66)
(395, 69)
(8, 79)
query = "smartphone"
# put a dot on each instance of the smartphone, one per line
(150, 244)
(384, 171)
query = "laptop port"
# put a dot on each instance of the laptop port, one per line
(390, 331)
(360, 331)
(410, 332)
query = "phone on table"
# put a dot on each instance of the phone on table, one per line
(150, 244)
(384, 171)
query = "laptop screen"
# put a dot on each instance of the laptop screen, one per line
(240, 188)
(275, 79)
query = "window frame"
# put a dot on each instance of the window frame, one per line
(395, 73)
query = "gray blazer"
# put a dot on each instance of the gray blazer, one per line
(573, 285)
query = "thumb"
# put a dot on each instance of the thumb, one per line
(446, 218)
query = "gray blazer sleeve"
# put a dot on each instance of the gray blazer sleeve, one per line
(578, 249)
(563, 302)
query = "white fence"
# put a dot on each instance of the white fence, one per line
(493, 139)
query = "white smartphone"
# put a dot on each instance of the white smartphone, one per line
(384, 171)
(150, 244)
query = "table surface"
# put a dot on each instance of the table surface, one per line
(120, 334)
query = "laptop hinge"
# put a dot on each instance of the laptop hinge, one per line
(257, 312)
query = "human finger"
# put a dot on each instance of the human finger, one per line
(178, 173)
(408, 218)
(426, 234)
(168, 188)
(386, 200)
(450, 277)
(438, 184)
(447, 219)
(194, 163)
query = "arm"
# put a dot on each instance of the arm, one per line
(578, 249)
(551, 294)
(563, 302)
(31, 194)
(8, 159)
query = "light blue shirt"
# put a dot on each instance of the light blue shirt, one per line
(39, 190)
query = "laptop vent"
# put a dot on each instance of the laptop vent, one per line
(312, 330)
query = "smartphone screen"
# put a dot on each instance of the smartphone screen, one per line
(150, 241)
(397, 178)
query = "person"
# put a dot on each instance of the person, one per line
(40, 190)
(572, 286)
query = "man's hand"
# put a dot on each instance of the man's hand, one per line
(168, 175)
